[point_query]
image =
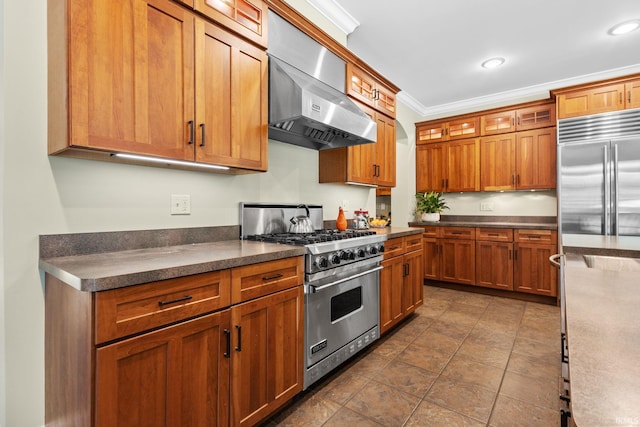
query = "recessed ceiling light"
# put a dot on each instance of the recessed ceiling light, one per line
(493, 63)
(624, 27)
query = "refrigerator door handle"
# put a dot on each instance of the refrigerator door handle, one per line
(616, 206)
(607, 192)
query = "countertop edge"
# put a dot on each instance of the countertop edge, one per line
(523, 225)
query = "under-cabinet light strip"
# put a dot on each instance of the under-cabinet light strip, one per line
(168, 161)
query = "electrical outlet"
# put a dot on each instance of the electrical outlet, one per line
(345, 205)
(180, 204)
(486, 206)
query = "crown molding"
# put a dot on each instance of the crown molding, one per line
(336, 14)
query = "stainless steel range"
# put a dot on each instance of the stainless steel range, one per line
(342, 281)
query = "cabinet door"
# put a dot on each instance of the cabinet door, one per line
(267, 356)
(385, 101)
(458, 261)
(131, 77)
(247, 18)
(463, 161)
(231, 102)
(467, 127)
(391, 284)
(175, 376)
(386, 151)
(430, 167)
(538, 116)
(591, 101)
(412, 292)
(533, 272)
(431, 256)
(494, 264)
(360, 85)
(497, 162)
(495, 123)
(632, 94)
(536, 159)
(431, 132)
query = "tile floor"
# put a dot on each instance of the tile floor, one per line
(463, 359)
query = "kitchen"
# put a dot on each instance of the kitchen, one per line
(50, 198)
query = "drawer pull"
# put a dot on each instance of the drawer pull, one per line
(239, 346)
(493, 234)
(227, 335)
(173, 301)
(275, 276)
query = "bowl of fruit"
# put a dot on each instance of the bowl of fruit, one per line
(378, 222)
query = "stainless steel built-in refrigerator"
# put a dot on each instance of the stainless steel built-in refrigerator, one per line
(599, 174)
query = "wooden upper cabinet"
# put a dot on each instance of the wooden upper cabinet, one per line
(498, 162)
(130, 81)
(463, 165)
(536, 159)
(368, 164)
(632, 91)
(247, 18)
(437, 131)
(537, 116)
(501, 122)
(368, 90)
(431, 167)
(593, 100)
(231, 100)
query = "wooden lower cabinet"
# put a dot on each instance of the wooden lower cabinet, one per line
(533, 272)
(401, 280)
(494, 265)
(267, 347)
(175, 376)
(457, 261)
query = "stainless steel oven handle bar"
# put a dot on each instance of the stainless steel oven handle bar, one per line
(315, 289)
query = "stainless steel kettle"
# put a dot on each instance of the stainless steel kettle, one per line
(301, 223)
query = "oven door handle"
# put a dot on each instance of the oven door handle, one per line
(315, 289)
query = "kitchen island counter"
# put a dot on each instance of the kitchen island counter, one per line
(393, 232)
(589, 244)
(604, 341)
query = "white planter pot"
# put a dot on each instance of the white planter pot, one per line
(431, 217)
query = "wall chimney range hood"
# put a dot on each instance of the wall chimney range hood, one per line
(307, 103)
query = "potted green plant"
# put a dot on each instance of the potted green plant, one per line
(429, 205)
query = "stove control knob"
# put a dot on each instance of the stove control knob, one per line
(322, 262)
(335, 259)
(361, 252)
(352, 255)
(381, 248)
(344, 255)
(373, 250)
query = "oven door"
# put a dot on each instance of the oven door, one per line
(339, 309)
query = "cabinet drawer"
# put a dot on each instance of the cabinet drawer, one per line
(413, 243)
(127, 311)
(256, 280)
(393, 247)
(458, 233)
(537, 236)
(494, 234)
(431, 231)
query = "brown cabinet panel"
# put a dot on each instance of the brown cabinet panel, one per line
(431, 167)
(455, 260)
(533, 273)
(537, 116)
(267, 354)
(174, 376)
(366, 89)
(129, 310)
(468, 127)
(463, 165)
(536, 236)
(595, 100)
(494, 234)
(437, 131)
(536, 159)
(413, 283)
(431, 256)
(431, 231)
(393, 247)
(497, 162)
(391, 290)
(494, 264)
(632, 94)
(496, 123)
(458, 233)
(256, 280)
(247, 18)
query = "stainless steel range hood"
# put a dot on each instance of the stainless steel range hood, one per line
(307, 105)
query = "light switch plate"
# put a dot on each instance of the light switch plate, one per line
(180, 204)
(486, 206)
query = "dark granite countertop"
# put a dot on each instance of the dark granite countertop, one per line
(604, 341)
(393, 232)
(528, 222)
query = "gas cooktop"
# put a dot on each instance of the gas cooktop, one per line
(302, 239)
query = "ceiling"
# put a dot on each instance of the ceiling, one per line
(433, 50)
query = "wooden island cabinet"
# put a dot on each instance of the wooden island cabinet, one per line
(213, 349)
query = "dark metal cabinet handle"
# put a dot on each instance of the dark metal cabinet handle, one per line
(239, 346)
(275, 276)
(629, 97)
(227, 335)
(192, 132)
(203, 134)
(173, 301)
(512, 121)
(518, 120)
